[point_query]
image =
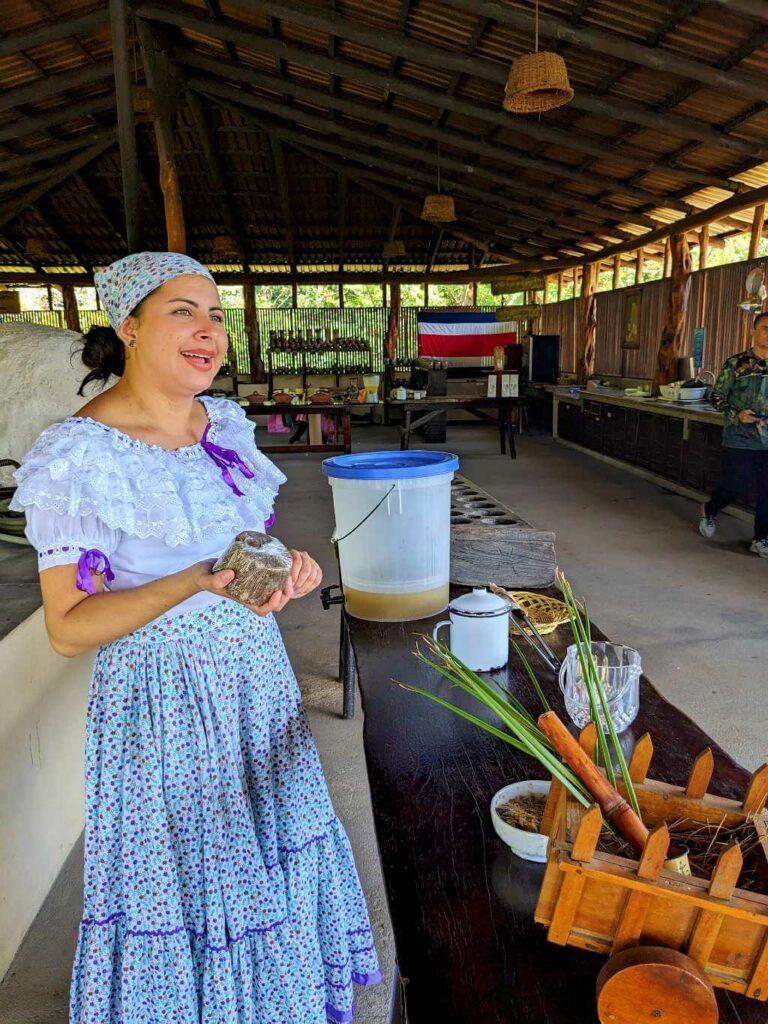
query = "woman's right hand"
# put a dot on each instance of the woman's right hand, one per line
(202, 578)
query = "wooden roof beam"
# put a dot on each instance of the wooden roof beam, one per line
(18, 42)
(61, 115)
(165, 85)
(34, 156)
(755, 9)
(12, 209)
(54, 85)
(240, 97)
(434, 249)
(54, 223)
(126, 129)
(98, 203)
(614, 45)
(505, 154)
(281, 180)
(589, 144)
(341, 215)
(216, 171)
(398, 44)
(414, 209)
(403, 170)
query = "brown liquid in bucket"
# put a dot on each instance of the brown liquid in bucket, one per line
(380, 607)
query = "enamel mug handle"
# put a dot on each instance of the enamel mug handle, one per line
(438, 627)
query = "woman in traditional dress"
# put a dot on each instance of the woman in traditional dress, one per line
(219, 884)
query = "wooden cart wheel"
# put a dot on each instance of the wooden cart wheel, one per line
(650, 984)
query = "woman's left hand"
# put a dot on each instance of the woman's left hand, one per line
(306, 574)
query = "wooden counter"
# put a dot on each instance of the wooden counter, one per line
(675, 444)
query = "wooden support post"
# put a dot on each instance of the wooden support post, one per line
(668, 257)
(588, 325)
(757, 231)
(703, 246)
(165, 86)
(71, 312)
(473, 293)
(294, 294)
(617, 271)
(393, 324)
(252, 334)
(341, 296)
(426, 294)
(126, 129)
(559, 286)
(639, 262)
(217, 174)
(672, 342)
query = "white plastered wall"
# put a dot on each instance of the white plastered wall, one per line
(42, 695)
(42, 734)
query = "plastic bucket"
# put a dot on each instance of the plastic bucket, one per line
(393, 529)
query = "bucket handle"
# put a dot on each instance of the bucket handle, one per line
(338, 540)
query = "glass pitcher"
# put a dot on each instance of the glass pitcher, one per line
(619, 669)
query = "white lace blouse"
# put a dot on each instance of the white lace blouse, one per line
(136, 511)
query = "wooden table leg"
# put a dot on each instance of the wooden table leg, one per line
(511, 430)
(503, 429)
(347, 668)
(346, 425)
(405, 431)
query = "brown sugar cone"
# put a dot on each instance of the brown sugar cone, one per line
(262, 565)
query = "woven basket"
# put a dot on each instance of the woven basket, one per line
(224, 247)
(37, 248)
(546, 613)
(394, 248)
(537, 81)
(439, 208)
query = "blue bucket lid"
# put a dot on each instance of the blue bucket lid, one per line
(390, 465)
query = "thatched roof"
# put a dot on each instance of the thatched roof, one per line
(308, 133)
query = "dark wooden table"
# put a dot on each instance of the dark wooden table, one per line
(338, 411)
(461, 903)
(427, 408)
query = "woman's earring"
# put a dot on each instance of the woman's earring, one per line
(131, 344)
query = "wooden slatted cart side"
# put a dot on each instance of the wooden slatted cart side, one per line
(606, 903)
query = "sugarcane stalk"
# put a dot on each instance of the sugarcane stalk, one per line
(614, 807)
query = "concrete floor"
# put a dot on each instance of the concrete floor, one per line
(695, 610)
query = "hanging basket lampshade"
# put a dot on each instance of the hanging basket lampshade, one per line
(537, 82)
(394, 248)
(37, 248)
(439, 208)
(225, 247)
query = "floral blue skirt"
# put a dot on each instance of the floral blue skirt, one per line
(219, 884)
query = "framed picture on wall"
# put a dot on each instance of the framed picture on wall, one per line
(631, 335)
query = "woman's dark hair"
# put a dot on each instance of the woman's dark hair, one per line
(104, 353)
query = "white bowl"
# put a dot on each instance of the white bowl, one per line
(691, 394)
(669, 391)
(528, 845)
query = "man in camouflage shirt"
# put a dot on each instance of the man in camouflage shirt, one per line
(741, 394)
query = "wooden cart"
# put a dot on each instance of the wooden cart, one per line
(670, 937)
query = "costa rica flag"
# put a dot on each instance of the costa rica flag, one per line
(461, 333)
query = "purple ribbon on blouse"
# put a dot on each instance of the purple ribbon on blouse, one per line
(226, 459)
(90, 561)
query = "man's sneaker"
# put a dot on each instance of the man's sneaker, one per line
(707, 525)
(759, 547)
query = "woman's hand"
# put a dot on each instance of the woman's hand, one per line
(306, 574)
(305, 577)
